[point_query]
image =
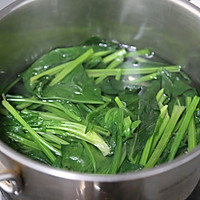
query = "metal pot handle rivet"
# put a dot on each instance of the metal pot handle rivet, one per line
(10, 182)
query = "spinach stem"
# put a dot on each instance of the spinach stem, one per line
(78, 131)
(160, 131)
(22, 140)
(45, 147)
(130, 71)
(184, 125)
(100, 130)
(148, 146)
(68, 66)
(159, 95)
(144, 78)
(102, 53)
(192, 141)
(176, 113)
(71, 66)
(48, 72)
(146, 151)
(116, 54)
(55, 113)
(160, 98)
(112, 65)
(44, 115)
(54, 104)
(53, 138)
(25, 104)
(119, 102)
(117, 155)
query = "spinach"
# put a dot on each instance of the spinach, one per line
(76, 87)
(82, 157)
(49, 61)
(101, 107)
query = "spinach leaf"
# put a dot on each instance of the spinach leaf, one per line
(75, 157)
(76, 87)
(50, 60)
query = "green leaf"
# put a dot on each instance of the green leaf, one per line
(49, 61)
(76, 87)
(75, 157)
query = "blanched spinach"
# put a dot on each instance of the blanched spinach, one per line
(100, 107)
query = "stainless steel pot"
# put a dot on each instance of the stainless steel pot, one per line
(29, 28)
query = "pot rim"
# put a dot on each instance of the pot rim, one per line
(16, 4)
(65, 174)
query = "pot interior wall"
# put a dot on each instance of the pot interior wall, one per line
(30, 28)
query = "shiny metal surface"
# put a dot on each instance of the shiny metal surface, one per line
(10, 179)
(29, 28)
(4, 3)
(10, 182)
(195, 2)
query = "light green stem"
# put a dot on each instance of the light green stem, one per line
(45, 147)
(114, 55)
(70, 66)
(176, 113)
(184, 125)
(129, 71)
(192, 141)
(145, 78)
(78, 131)
(112, 65)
